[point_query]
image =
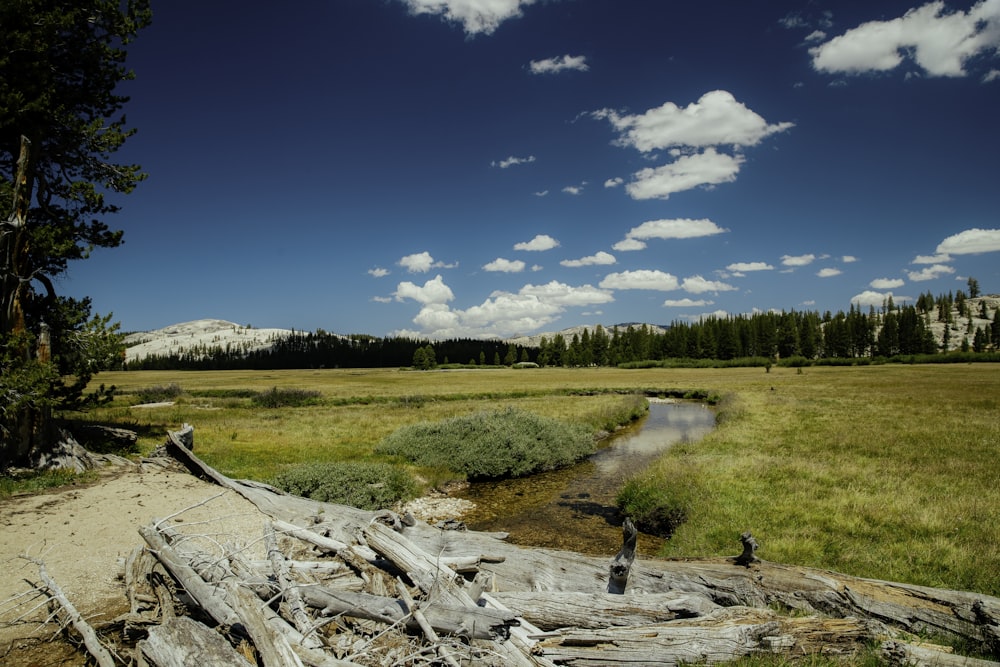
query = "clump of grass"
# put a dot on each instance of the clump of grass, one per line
(286, 398)
(159, 393)
(501, 443)
(631, 408)
(34, 481)
(661, 499)
(364, 485)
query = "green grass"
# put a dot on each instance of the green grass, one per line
(888, 471)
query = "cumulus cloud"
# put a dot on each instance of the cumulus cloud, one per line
(971, 242)
(699, 285)
(876, 299)
(717, 118)
(475, 16)
(886, 283)
(505, 314)
(434, 291)
(940, 42)
(828, 272)
(627, 245)
(674, 228)
(574, 189)
(798, 260)
(505, 265)
(931, 259)
(992, 75)
(687, 303)
(512, 161)
(598, 259)
(848, 259)
(746, 267)
(539, 243)
(929, 273)
(687, 172)
(614, 182)
(559, 64)
(378, 272)
(422, 262)
(641, 279)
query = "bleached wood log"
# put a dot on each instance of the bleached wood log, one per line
(473, 622)
(622, 564)
(182, 642)
(550, 611)
(289, 590)
(73, 617)
(901, 653)
(273, 647)
(724, 636)
(425, 626)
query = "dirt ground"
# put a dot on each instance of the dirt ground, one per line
(83, 534)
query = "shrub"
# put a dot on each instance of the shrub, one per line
(492, 444)
(285, 398)
(369, 486)
(659, 502)
(159, 393)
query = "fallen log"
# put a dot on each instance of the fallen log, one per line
(182, 642)
(551, 611)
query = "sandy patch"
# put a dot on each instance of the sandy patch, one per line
(84, 533)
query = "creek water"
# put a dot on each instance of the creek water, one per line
(574, 508)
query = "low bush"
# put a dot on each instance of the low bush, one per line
(285, 398)
(501, 443)
(159, 393)
(659, 501)
(369, 486)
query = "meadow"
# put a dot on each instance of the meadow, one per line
(886, 471)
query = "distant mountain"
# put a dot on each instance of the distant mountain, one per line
(190, 337)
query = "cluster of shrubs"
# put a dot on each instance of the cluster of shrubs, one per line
(492, 444)
(369, 486)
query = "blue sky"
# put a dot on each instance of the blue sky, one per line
(450, 168)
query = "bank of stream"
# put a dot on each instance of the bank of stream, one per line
(574, 508)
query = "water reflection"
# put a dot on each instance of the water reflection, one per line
(574, 508)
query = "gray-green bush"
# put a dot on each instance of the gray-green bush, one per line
(369, 486)
(491, 444)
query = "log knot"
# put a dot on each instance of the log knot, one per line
(749, 548)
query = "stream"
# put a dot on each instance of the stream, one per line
(574, 508)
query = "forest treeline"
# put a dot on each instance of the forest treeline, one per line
(968, 324)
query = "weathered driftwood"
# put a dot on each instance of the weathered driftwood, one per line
(182, 642)
(273, 647)
(550, 611)
(622, 564)
(431, 558)
(73, 617)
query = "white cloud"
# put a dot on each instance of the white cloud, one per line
(675, 228)
(798, 260)
(940, 42)
(541, 193)
(536, 267)
(614, 182)
(598, 259)
(848, 259)
(641, 279)
(931, 259)
(971, 241)
(512, 161)
(559, 64)
(699, 285)
(876, 299)
(816, 36)
(422, 262)
(886, 283)
(434, 291)
(476, 16)
(627, 245)
(992, 75)
(573, 189)
(382, 299)
(687, 303)
(505, 265)
(567, 295)
(743, 267)
(929, 273)
(685, 173)
(378, 272)
(715, 119)
(828, 272)
(539, 243)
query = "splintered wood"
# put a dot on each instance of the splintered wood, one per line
(333, 585)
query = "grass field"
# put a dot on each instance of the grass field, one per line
(890, 472)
